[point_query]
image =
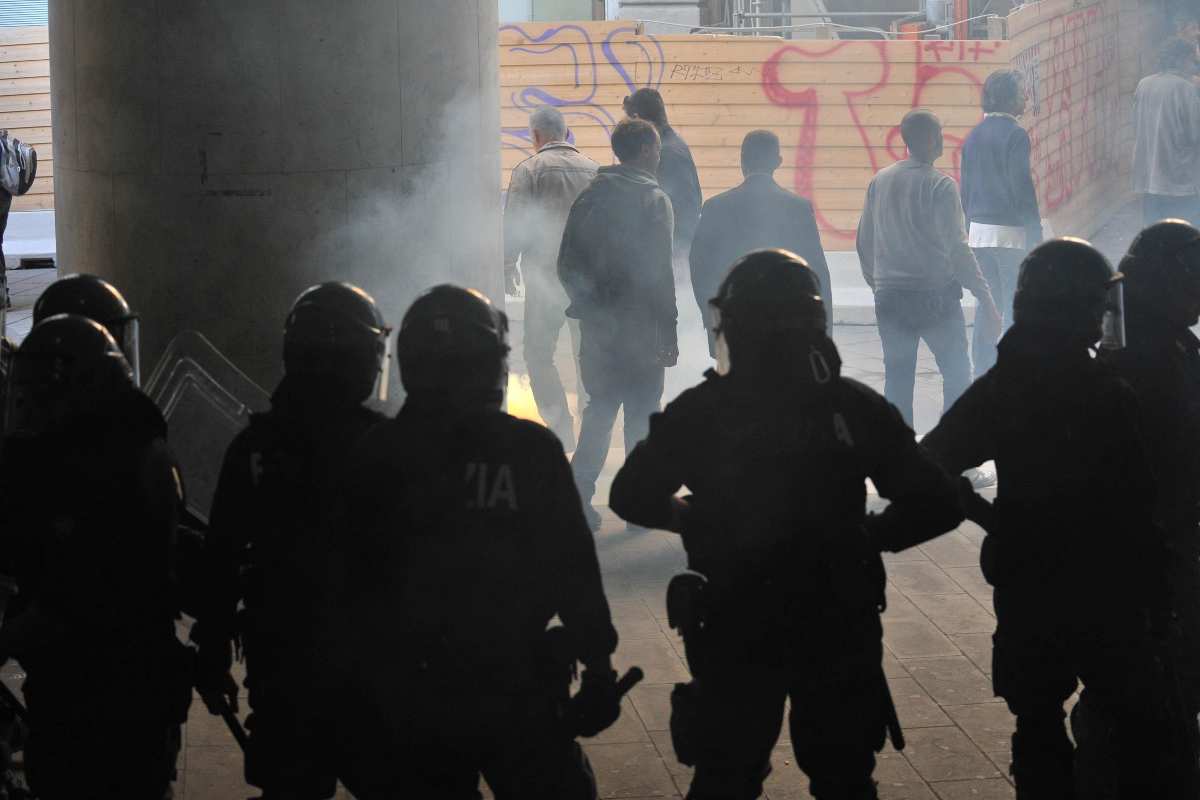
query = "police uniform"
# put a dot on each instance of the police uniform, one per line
(270, 548)
(473, 537)
(1071, 552)
(89, 518)
(795, 584)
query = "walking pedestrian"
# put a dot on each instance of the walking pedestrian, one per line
(540, 195)
(1166, 148)
(999, 199)
(914, 254)
(615, 263)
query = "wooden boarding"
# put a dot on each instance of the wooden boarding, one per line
(836, 105)
(841, 100)
(25, 105)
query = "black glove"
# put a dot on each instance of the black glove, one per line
(597, 705)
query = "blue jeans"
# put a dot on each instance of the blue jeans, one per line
(1000, 267)
(905, 317)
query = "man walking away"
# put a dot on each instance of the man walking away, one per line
(676, 169)
(757, 215)
(914, 255)
(615, 263)
(540, 195)
(999, 199)
(1166, 149)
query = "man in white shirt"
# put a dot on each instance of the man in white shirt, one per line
(1166, 151)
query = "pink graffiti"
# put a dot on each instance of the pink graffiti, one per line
(935, 62)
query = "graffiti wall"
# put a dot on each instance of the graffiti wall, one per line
(1083, 64)
(836, 105)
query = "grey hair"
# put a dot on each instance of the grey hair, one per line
(549, 122)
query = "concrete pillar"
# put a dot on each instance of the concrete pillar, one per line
(215, 157)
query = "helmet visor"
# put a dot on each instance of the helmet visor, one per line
(1113, 323)
(131, 345)
(385, 364)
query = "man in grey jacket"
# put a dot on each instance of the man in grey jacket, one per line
(912, 245)
(540, 194)
(615, 263)
(1166, 149)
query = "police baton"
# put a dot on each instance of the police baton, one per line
(234, 724)
(629, 680)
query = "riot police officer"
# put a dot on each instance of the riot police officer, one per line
(89, 512)
(1161, 361)
(97, 299)
(473, 537)
(1070, 548)
(268, 548)
(787, 584)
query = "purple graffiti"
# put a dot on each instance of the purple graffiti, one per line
(580, 106)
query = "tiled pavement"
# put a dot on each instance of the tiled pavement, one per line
(937, 633)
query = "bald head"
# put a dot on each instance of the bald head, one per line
(922, 133)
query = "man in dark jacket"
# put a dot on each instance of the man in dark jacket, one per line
(470, 539)
(615, 263)
(90, 552)
(1161, 361)
(1071, 548)
(776, 453)
(755, 215)
(1003, 220)
(676, 168)
(267, 550)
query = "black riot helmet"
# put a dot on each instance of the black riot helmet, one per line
(97, 299)
(770, 290)
(1068, 286)
(336, 334)
(1162, 270)
(69, 367)
(453, 340)
(768, 297)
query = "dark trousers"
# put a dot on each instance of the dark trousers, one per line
(835, 723)
(544, 321)
(615, 376)
(907, 317)
(517, 744)
(1000, 267)
(1125, 729)
(1157, 207)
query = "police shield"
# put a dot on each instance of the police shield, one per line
(206, 401)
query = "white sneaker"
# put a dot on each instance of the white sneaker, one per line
(980, 478)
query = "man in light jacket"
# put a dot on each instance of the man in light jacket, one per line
(1166, 149)
(912, 246)
(540, 195)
